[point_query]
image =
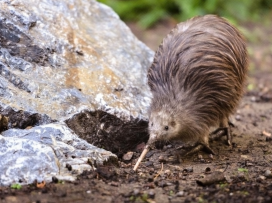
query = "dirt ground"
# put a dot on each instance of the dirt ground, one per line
(241, 173)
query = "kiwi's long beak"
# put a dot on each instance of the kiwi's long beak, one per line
(151, 140)
(146, 149)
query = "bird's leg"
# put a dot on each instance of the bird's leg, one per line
(198, 148)
(224, 129)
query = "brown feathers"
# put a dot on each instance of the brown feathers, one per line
(197, 79)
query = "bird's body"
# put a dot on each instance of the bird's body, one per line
(196, 79)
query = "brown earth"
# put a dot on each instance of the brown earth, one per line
(241, 173)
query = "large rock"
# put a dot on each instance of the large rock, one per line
(74, 62)
(61, 58)
(45, 151)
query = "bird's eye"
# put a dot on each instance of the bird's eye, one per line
(151, 124)
(166, 127)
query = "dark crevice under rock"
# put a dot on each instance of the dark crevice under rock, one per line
(109, 132)
(22, 119)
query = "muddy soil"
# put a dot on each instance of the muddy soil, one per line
(238, 173)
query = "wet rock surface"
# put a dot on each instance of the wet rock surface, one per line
(73, 62)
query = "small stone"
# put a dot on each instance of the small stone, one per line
(128, 156)
(136, 191)
(151, 194)
(88, 191)
(241, 175)
(162, 183)
(115, 184)
(169, 146)
(151, 170)
(267, 173)
(149, 154)
(238, 117)
(249, 163)
(262, 177)
(180, 194)
(255, 99)
(140, 147)
(200, 156)
(167, 172)
(188, 170)
(148, 163)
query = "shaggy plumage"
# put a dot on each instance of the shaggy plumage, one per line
(197, 79)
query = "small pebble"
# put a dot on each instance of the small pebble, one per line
(211, 156)
(149, 154)
(136, 191)
(88, 191)
(151, 194)
(115, 184)
(151, 170)
(148, 163)
(267, 173)
(241, 175)
(249, 164)
(188, 170)
(140, 147)
(167, 172)
(169, 146)
(255, 99)
(262, 177)
(128, 156)
(200, 156)
(162, 184)
(180, 194)
(238, 117)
